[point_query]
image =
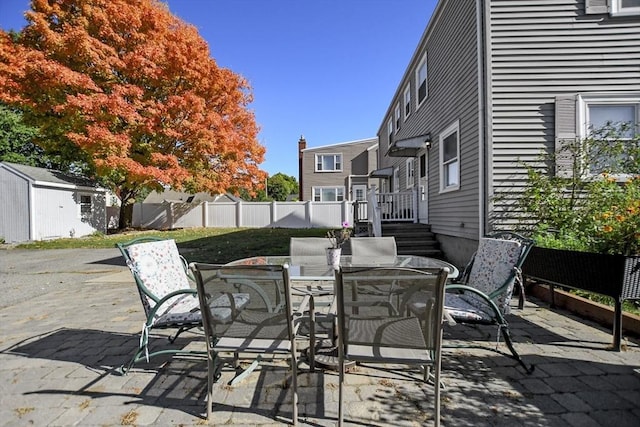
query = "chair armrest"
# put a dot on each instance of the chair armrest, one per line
(164, 299)
(482, 295)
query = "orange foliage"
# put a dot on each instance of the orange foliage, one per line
(137, 90)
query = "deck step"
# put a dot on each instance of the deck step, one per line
(413, 239)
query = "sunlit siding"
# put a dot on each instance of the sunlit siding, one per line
(354, 162)
(540, 49)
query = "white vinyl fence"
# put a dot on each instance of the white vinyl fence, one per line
(171, 215)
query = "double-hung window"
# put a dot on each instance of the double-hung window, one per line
(85, 205)
(450, 158)
(328, 194)
(396, 115)
(407, 101)
(390, 131)
(625, 7)
(616, 119)
(328, 162)
(396, 180)
(421, 81)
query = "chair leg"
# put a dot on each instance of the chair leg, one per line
(294, 385)
(507, 338)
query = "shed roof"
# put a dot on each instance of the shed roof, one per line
(50, 176)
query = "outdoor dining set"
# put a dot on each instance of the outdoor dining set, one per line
(375, 307)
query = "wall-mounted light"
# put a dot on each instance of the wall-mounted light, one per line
(427, 141)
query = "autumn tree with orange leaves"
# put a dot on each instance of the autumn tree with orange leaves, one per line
(130, 92)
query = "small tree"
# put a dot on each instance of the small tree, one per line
(597, 206)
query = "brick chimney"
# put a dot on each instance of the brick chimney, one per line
(302, 144)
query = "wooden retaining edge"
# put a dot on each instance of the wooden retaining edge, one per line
(584, 307)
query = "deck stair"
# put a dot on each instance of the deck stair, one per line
(413, 239)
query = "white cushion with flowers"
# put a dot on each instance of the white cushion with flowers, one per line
(493, 266)
(160, 268)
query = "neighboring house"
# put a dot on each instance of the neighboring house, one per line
(493, 83)
(336, 172)
(38, 204)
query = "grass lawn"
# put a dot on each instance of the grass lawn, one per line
(214, 245)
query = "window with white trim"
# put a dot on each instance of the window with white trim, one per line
(609, 112)
(396, 180)
(85, 205)
(421, 82)
(328, 194)
(450, 158)
(625, 7)
(409, 172)
(390, 131)
(396, 114)
(328, 162)
(407, 101)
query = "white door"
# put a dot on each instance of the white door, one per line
(423, 188)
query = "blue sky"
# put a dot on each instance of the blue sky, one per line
(325, 69)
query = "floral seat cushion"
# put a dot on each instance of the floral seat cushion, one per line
(493, 267)
(161, 270)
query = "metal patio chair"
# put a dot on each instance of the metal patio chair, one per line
(483, 294)
(369, 332)
(266, 325)
(167, 294)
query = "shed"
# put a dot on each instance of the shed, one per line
(39, 204)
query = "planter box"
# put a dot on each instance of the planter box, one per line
(616, 276)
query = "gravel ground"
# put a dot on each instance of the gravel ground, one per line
(25, 274)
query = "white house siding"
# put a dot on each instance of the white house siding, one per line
(59, 212)
(539, 50)
(452, 79)
(15, 220)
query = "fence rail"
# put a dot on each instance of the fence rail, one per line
(171, 215)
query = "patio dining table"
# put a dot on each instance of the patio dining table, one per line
(317, 279)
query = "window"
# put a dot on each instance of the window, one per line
(397, 116)
(450, 158)
(396, 180)
(423, 166)
(600, 113)
(328, 162)
(359, 192)
(421, 81)
(390, 131)
(625, 7)
(407, 101)
(86, 205)
(328, 194)
(409, 172)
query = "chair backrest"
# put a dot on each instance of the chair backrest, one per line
(415, 292)
(308, 250)
(373, 250)
(157, 268)
(243, 303)
(494, 271)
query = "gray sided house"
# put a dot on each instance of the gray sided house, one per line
(38, 204)
(337, 172)
(496, 82)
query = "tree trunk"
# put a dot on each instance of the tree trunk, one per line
(126, 215)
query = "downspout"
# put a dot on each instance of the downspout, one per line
(485, 132)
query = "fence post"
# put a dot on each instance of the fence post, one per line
(238, 214)
(274, 212)
(205, 214)
(308, 211)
